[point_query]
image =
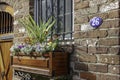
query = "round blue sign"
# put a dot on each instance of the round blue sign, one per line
(96, 22)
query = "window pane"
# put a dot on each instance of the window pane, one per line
(49, 8)
(68, 25)
(55, 7)
(68, 36)
(68, 6)
(61, 7)
(44, 10)
(60, 24)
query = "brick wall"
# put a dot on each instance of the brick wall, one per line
(21, 9)
(97, 51)
(96, 55)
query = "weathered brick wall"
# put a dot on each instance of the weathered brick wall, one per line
(97, 51)
(96, 55)
(21, 9)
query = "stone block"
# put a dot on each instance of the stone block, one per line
(110, 24)
(97, 34)
(86, 27)
(81, 66)
(76, 35)
(87, 76)
(109, 59)
(76, 27)
(102, 15)
(98, 50)
(81, 19)
(110, 6)
(114, 50)
(84, 57)
(114, 69)
(97, 2)
(114, 14)
(98, 68)
(81, 5)
(107, 77)
(109, 42)
(114, 32)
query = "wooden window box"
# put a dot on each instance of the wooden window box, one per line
(55, 65)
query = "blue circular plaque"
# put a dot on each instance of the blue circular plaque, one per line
(96, 22)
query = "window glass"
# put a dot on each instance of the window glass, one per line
(61, 10)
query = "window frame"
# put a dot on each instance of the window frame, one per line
(63, 34)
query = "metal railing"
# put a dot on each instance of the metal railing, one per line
(62, 10)
(6, 23)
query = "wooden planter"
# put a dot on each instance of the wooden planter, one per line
(55, 65)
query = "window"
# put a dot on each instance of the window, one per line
(6, 19)
(62, 10)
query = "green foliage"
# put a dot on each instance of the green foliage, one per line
(50, 46)
(37, 32)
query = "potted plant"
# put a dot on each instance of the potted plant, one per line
(36, 45)
(37, 36)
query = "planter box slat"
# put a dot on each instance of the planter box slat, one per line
(32, 70)
(30, 62)
(55, 65)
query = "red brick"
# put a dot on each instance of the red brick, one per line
(102, 50)
(77, 27)
(109, 42)
(83, 35)
(92, 9)
(102, 15)
(81, 19)
(114, 32)
(87, 76)
(109, 59)
(98, 50)
(110, 1)
(83, 42)
(81, 5)
(114, 69)
(114, 50)
(105, 24)
(107, 77)
(114, 14)
(84, 57)
(76, 35)
(110, 24)
(81, 49)
(97, 34)
(92, 50)
(76, 1)
(81, 66)
(114, 23)
(98, 68)
(94, 34)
